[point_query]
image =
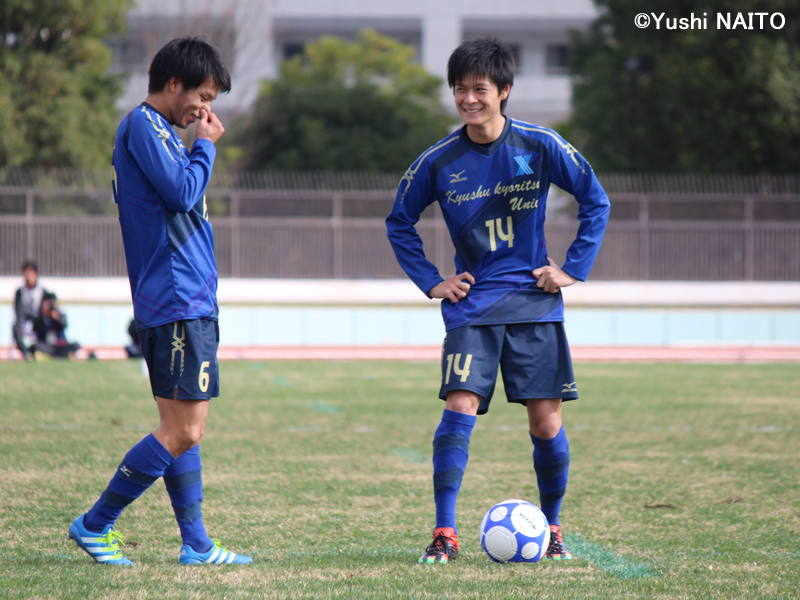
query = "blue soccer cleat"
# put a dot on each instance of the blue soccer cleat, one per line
(216, 556)
(103, 547)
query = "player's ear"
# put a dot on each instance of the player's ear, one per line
(174, 84)
(504, 92)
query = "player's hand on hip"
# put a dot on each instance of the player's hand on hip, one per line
(551, 278)
(209, 126)
(454, 288)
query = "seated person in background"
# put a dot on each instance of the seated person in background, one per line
(50, 326)
(27, 306)
(133, 349)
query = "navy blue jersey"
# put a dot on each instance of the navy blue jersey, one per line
(493, 201)
(169, 243)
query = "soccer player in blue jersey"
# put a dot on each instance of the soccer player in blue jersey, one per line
(503, 305)
(169, 250)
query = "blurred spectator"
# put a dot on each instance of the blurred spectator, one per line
(39, 324)
(27, 307)
(133, 349)
(50, 326)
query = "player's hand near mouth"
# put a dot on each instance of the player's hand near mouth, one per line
(209, 126)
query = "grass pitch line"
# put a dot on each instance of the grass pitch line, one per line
(606, 560)
(410, 455)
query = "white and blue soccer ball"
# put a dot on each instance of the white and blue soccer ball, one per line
(515, 531)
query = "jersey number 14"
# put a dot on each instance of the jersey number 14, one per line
(496, 226)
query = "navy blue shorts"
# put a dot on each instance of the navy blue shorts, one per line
(534, 360)
(182, 356)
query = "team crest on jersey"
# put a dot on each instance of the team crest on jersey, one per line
(524, 167)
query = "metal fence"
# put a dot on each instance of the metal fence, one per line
(331, 225)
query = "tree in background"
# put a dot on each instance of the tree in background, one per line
(346, 106)
(691, 101)
(56, 93)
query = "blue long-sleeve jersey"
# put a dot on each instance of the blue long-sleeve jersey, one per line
(160, 188)
(493, 201)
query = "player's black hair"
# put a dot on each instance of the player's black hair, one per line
(482, 57)
(192, 60)
(29, 264)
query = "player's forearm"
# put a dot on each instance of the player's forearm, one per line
(583, 251)
(194, 181)
(407, 246)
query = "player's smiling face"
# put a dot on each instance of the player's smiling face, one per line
(478, 100)
(186, 104)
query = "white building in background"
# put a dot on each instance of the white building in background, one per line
(256, 35)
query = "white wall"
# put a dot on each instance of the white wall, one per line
(261, 25)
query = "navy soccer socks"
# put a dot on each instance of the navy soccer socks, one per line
(142, 465)
(184, 482)
(551, 463)
(450, 456)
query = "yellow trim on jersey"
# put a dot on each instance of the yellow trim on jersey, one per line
(163, 133)
(409, 174)
(566, 145)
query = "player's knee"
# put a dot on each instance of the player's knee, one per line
(193, 435)
(546, 426)
(188, 437)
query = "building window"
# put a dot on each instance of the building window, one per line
(146, 35)
(514, 48)
(292, 49)
(557, 59)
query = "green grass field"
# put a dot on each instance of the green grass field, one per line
(683, 484)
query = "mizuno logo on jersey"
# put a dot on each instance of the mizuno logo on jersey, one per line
(456, 177)
(524, 167)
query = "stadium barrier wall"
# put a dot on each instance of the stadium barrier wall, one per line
(302, 318)
(331, 225)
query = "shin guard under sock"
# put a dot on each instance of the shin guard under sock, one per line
(142, 465)
(551, 463)
(450, 456)
(184, 482)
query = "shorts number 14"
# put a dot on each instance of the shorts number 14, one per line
(452, 365)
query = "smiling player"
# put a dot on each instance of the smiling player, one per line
(169, 251)
(503, 305)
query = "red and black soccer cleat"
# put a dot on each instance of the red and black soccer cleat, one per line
(556, 549)
(443, 548)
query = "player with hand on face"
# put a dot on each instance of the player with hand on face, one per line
(503, 305)
(169, 250)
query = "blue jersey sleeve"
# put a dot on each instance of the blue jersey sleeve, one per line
(161, 161)
(415, 194)
(573, 174)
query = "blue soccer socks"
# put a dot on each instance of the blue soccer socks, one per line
(140, 468)
(216, 556)
(450, 456)
(103, 547)
(551, 463)
(184, 482)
